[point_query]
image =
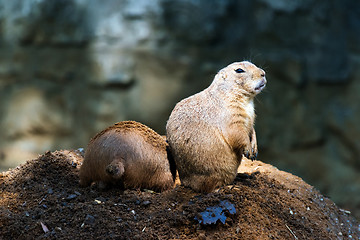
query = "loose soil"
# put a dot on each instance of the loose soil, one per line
(42, 200)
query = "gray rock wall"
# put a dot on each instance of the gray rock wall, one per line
(69, 68)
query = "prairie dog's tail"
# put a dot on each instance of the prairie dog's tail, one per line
(116, 168)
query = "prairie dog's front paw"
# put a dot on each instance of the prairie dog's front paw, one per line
(251, 152)
(254, 149)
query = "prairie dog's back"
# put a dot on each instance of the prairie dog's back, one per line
(129, 153)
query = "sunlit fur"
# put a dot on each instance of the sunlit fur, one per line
(209, 132)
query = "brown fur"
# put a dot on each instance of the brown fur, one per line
(210, 131)
(128, 154)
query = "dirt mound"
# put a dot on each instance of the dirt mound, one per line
(42, 200)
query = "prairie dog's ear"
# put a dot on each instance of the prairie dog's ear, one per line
(222, 74)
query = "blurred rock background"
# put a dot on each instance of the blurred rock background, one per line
(69, 68)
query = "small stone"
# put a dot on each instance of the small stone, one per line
(101, 199)
(44, 227)
(146, 203)
(149, 191)
(50, 191)
(71, 196)
(89, 219)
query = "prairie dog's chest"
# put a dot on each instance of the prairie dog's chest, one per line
(250, 110)
(242, 114)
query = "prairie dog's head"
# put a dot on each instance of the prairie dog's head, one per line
(244, 77)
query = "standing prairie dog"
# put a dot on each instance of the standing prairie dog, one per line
(130, 155)
(210, 131)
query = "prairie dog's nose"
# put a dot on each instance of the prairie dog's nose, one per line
(262, 73)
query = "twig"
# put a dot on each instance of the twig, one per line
(345, 211)
(43, 199)
(291, 232)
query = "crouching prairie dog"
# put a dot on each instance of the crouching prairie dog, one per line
(209, 132)
(130, 155)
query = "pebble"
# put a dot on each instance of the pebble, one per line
(149, 191)
(71, 196)
(146, 203)
(101, 199)
(89, 219)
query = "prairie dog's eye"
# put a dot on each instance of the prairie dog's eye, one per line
(239, 70)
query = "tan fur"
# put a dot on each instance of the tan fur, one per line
(128, 154)
(210, 131)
